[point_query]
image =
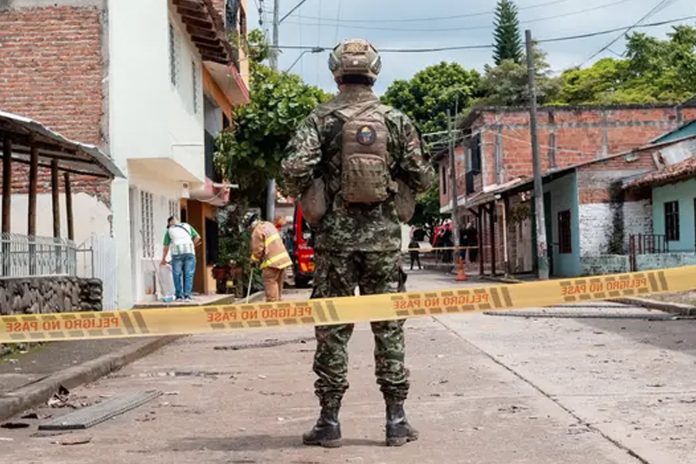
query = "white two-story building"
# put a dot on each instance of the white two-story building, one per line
(151, 83)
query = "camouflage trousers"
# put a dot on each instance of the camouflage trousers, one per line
(338, 274)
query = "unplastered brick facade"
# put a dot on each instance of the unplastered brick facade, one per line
(52, 69)
(567, 136)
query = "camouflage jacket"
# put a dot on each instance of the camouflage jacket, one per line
(313, 152)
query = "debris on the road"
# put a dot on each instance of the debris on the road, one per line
(98, 413)
(30, 415)
(261, 376)
(15, 425)
(73, 441)
(171, 393)
(6, 439)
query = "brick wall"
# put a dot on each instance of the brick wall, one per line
(567, 136)
(52, 70)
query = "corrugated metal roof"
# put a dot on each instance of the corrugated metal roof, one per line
(72, 156)
(687, 130)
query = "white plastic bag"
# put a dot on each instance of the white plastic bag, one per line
(166, 290)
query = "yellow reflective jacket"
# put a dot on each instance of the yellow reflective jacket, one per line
(267, 247)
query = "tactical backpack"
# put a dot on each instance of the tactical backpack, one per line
(365, 160)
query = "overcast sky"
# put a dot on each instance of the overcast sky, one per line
(415, 24)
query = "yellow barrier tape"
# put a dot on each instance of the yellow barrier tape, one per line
(225, 318)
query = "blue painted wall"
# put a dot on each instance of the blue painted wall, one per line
(564, 196)
(685, 193)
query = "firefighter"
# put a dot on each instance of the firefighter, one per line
(268, 251)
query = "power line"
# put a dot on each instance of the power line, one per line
(434, 18)
(474, 28)
(489, 46)
(661, 4)
(292, 10)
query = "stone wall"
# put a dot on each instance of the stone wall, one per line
(603, 264)
(49, 294)
(664, 260)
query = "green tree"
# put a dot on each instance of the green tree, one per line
(428, 95)
(427, 214)
(653, 71)
(250, 153)
(506, 35)
(507, 83)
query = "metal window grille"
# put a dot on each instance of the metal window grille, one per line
(173, 55)
(174, 208)
(147, 220)
(564, 232)
(194, 75)
(672, 220)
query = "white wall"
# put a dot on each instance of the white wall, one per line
(149, 116)
(596, 220)
(90, 216)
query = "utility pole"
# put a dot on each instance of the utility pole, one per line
(542, 257)
(453, 180)
(270, 198)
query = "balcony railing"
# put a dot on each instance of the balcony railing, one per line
(25, 256)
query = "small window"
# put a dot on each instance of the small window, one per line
(564, 234)
(173, 56)
(475, 157)
(147, 223)
(194, 80)
(443, 179)
(672, 221)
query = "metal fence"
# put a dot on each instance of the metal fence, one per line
(26, 256)
(97, 258)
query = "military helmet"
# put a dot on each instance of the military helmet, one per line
(357, 57)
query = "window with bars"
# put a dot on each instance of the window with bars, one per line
(173, 56)
(672, 221)
(147, 222)
(194, 81)
(564, 232)
(174, 208)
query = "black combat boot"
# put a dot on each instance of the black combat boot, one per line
(326, 432)
(399, 431)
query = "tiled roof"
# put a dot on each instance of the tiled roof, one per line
(675, 173)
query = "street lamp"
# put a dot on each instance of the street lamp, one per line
(313, 50)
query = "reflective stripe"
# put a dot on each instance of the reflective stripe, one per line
(283, 259)
(272, 239)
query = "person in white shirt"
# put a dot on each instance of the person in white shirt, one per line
(181, 239)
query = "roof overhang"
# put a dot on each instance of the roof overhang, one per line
(73, 157)
(206, 28)
(230, 81)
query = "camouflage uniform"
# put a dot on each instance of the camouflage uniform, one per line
(356, 245)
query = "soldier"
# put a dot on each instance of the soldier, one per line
(356, 165)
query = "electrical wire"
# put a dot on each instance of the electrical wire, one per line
(489, 46)
(474, 28)
(660, 5)
(435, 18)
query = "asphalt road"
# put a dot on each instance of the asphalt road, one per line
(485, 389)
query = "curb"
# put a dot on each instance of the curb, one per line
(672, 308)
(39, 392)
(35, 393)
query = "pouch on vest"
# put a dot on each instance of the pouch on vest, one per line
(313, 202)
(404, 201)
(365, 176)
